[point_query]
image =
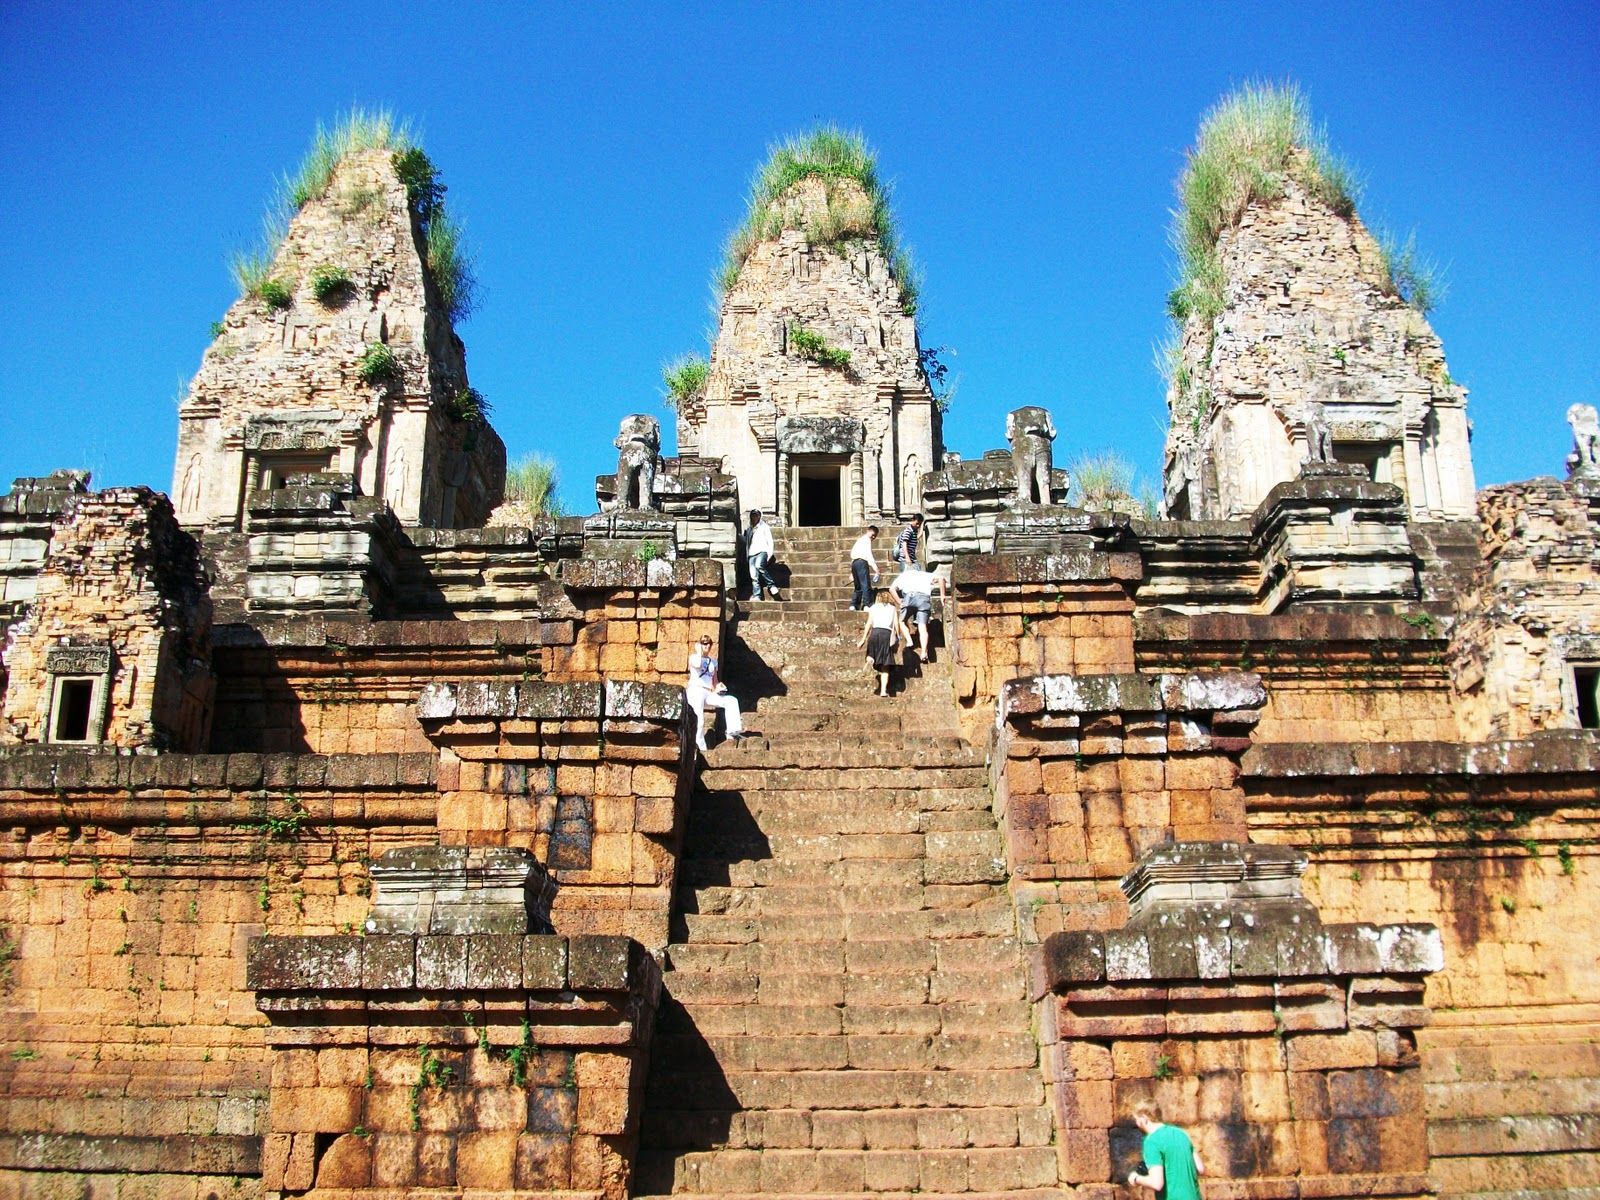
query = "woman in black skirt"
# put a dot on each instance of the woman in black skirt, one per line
(884, 635)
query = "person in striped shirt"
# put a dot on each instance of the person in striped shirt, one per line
(905, 546)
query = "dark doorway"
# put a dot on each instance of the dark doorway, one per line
(817, 494)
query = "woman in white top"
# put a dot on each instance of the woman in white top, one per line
(704, 688)
(884, 634)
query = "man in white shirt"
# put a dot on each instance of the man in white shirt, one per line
(863, 570)
(913, 591)
(757, 550)
(705, 688)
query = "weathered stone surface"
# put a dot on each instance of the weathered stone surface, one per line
(281, 390)
(1312, 340)
(847, 294)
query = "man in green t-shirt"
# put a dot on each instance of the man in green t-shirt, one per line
(1172, 1164)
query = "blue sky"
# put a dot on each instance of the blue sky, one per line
(599, 155)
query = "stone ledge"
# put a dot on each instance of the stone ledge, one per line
(1071, 960)
(1159, 625)
(57, 768)
(316, 630)
(411, 963)
(535, 700)
(1077, 566)
(610, 573)
(1223, 691)
(1563, 752)
(172, 1154)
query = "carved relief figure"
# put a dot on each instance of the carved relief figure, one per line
(189, 491)
(638, 443)
(911, 484)
(1030, 432)
(1319, 438)
(1585, 456)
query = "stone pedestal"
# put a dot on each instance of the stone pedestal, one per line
(460, 889)
(1286, 1048)
(1332, 535)
(319, 545)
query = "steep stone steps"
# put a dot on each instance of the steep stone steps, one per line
(844, 1008)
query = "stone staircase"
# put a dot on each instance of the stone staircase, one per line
(845, 1010)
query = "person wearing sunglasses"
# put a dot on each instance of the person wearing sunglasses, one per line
(705, 688)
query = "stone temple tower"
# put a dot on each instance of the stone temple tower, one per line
(815, 399)
(1296, 336)
(343, 358)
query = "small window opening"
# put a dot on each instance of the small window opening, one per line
(74, 706)
(277, 468)
(1587, 680)
(1374, 456)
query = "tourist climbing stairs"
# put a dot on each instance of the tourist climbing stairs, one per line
(845, 1010)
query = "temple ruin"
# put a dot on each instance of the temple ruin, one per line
(816, 399)
(1295, 342)
(351, 366)
(355, 848)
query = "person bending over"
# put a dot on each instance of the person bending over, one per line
(1172, 1166)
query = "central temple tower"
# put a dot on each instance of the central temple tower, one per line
(815, 397)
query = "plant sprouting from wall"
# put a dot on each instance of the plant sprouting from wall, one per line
(378, 365)
(683, 380)
(855, 204)
(468, 405)
(811, 345)
(330, 284)
(1416, 279)
(1107, 482)
(533, 483)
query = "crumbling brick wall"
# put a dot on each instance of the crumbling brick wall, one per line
(122, 579)
(1534, 612)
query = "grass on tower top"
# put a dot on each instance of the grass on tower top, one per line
(856, 203)
(445, 250)
(1251, 142)
(358, 129)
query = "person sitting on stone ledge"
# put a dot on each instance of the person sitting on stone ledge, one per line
(1172, 1164)
(706, 689)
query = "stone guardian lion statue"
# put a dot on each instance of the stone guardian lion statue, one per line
(1030, 432)
(1585, 456)
(638, 446)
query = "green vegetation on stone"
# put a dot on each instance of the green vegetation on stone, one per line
(684, 380)
(532, 482)
(1416, 279)
(330, 284)
(358, 129)
(468, 405)
(450, 264)
(1106, 482)
(809, 344)
(421, 178)
(856, 204)
(378, 365)
(274, 293)
(444, 246)
(1250, 144)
